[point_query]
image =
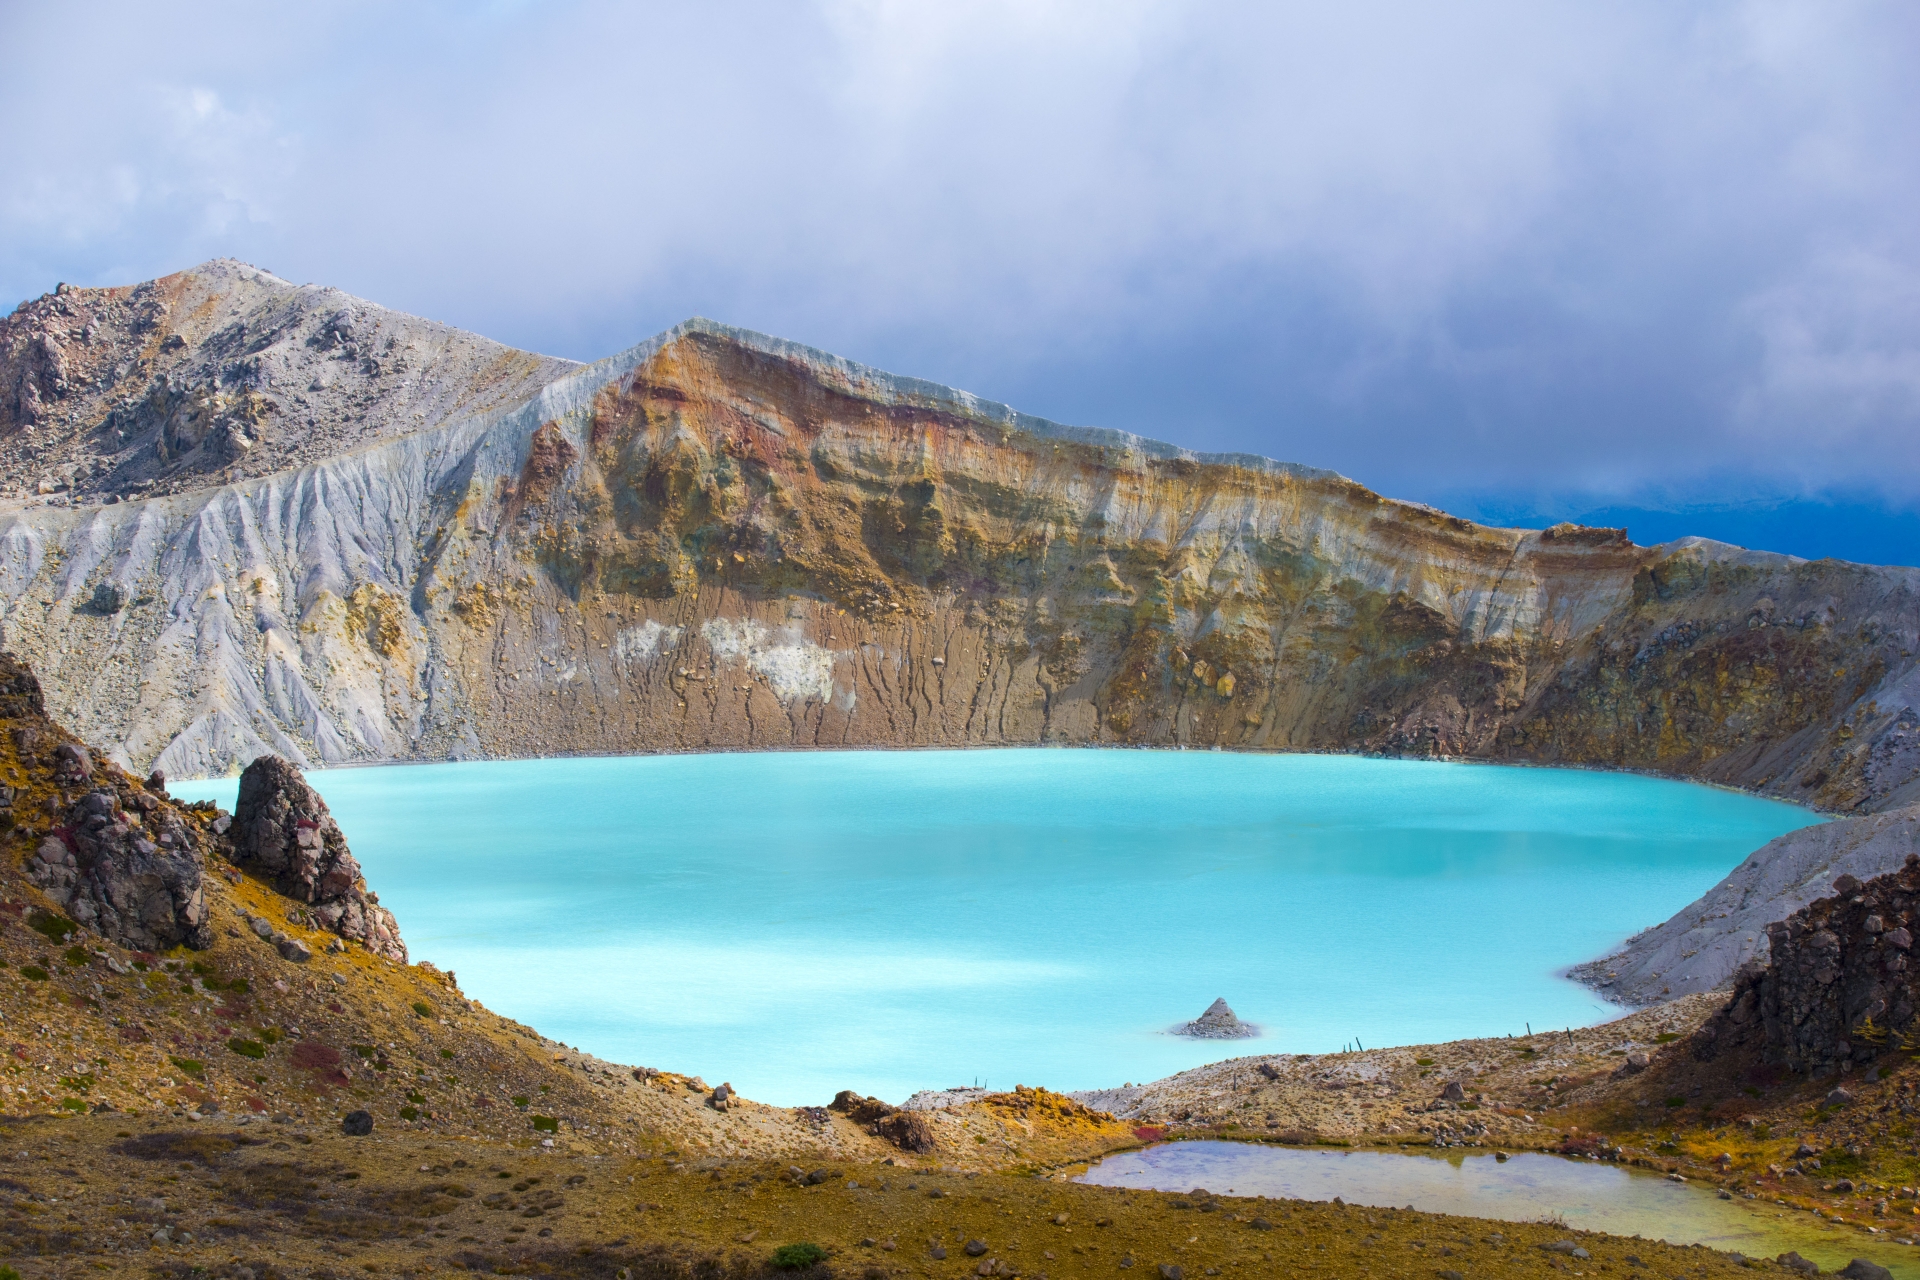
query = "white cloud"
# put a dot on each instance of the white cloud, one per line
(1427, 245)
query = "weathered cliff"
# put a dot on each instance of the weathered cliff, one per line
(721, 540)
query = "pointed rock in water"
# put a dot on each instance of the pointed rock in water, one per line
(1218, 1023)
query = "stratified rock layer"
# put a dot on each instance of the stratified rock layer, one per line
(1837, 988)
(721, 540)
(282, 826)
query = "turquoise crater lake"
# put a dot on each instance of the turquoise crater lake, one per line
(803, 922)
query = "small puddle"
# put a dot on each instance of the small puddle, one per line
(1586, 1195)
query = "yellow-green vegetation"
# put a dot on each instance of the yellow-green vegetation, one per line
(287, 1198)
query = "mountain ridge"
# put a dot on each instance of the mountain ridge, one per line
(721, 539)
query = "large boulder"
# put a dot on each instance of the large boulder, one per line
(282, 826)
(127, 867)
(119, 860)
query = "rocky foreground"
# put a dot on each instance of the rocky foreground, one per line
(231, 1070)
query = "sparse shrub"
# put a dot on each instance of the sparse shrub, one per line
(188, 1065)
(409, 1113)
(1666, 1037)
(77, 956)
(798, 1257)
(1423, 1062)
(271, 1035)
(422, 1008)
(247, 1048)
(50, 926)
(1676, 1102)
(364, 1050)
(546, 1124)
(522, 1103)
(446, 1053)
(34, 973)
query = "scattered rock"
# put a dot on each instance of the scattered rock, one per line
(1861, 1269)
(1218, 1023)
(1794, 1262)
(1838, 1098)
(974, 1248)
(357, 1124)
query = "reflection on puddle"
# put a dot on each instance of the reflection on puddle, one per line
(1586, 1195)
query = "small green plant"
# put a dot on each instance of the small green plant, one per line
(8, 1273)
(77, 956)
(422, 1008)
(271, 1035)
(75, 1105)
(238, 986)
(202, 968)
(1666, 1037)
(188, 1065)
(77, 1084)
(247, 1048)
(409, 1113)
(416, 1097)
(1868, 1033)
(546, 1124)
(446, 1053)
(1676, 1102)
(51, 927)
(798, 1257)
(1423, 1062)
(34, 973)
(522, 1103)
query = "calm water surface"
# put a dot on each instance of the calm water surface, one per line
(799, 923)
(1587, 1195)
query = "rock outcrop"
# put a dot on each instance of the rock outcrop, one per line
(114, 856)
(1706, 942)
(721, 540)
(1837, 989)
(282, 826)
(1218, 1023)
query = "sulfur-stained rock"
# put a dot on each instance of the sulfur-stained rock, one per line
(281, 825)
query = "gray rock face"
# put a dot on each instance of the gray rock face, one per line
(1704, 944)
(127, 868)
(281, 825)
(1218, 1023)
(1837, 989)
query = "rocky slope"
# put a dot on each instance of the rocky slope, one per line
(1706, 942)
(718, 539)
(223, 372)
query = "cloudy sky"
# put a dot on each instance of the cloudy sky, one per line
(1651, 261)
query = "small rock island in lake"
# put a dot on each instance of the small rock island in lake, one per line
(1218, 1023)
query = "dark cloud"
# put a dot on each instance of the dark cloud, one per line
(1493, 249)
